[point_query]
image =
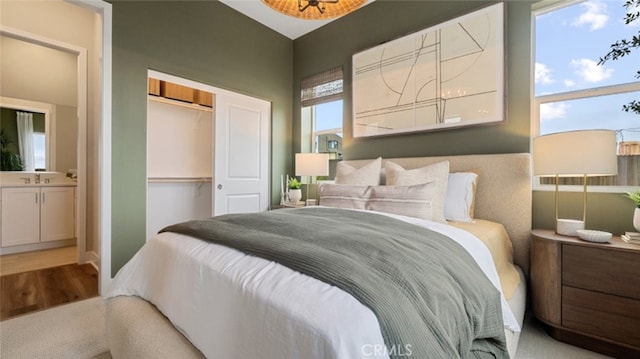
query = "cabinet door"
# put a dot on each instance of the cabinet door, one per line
(20, 216)
(57, 213)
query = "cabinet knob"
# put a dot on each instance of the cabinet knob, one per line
(219, 186)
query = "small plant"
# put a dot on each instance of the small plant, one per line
(293, 183)
(635, 197)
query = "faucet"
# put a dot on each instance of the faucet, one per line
(37, 178)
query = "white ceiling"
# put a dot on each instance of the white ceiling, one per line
(288, 26)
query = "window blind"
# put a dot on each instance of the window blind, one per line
(323, 87)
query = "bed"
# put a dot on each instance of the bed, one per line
(256, 310)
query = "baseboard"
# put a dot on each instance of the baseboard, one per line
(37, 246)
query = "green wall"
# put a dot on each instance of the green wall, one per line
(611, 212)
(204, 41)
(334, 44)
(10, 128)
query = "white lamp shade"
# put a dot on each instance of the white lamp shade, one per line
(312, 164)
(575, 153)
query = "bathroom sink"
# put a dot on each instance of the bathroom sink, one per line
(28, 179)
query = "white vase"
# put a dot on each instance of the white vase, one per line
(636, 219)
(295, 195)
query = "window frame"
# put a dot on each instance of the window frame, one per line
(537, 101)
(321, 88)
(313, 133)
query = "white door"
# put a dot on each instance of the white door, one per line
(241, 158)
(57, 213)
(20, 216)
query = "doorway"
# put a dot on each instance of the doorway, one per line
(77, 69)
(98, 132)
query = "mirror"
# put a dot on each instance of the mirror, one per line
(23, 140)
(25, 133)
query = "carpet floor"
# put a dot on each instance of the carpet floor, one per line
(74, 330)
(77, 331)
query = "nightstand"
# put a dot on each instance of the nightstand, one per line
(587, 294)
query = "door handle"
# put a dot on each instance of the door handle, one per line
(219, 186)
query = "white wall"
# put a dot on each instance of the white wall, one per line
(42, 74)
(38, 73)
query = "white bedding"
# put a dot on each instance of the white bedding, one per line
(212, 293)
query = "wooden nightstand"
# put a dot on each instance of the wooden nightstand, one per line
(587, 294)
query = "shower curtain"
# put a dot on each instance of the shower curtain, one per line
(24, 121)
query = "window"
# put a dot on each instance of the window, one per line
(327, 129)
(39, 152)
(322, 113)
(574, 92)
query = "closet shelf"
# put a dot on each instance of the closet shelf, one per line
(192, 106)
(178, 179)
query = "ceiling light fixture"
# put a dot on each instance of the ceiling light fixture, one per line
(324, 9)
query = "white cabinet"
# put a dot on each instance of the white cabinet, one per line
(20, 216)
(57, 214)
(37, 214)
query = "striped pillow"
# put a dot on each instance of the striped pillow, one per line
(411, 201)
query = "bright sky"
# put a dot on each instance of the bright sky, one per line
(329, 115)
(569, 43)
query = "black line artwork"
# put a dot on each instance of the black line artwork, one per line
(449, 75)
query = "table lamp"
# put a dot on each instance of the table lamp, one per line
(312, 164)
(584, 154)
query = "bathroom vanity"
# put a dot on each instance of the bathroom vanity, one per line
(38, 211)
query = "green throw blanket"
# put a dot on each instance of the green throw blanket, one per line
(430, 297)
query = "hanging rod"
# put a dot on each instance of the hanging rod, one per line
(178, 179)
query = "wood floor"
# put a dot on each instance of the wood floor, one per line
(44, 279)
(28, 261)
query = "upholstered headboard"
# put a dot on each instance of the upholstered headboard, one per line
(503, 192)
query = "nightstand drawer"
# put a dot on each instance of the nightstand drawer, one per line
(601, 269)
(603, 315)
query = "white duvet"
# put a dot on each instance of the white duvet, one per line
(232, 305)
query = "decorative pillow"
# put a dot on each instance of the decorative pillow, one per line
(367, 175)
(411, 201)
(437, 173)
(461, 193)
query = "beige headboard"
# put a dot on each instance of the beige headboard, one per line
(503, 191)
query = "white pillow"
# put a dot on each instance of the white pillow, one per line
(411, 201)
(367, 175)
(460, 200)
(438, 173)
